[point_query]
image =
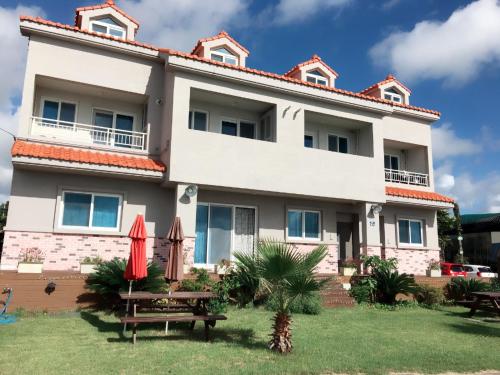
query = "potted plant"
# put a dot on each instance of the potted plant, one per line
(223, 267)
(88, 264)
(434, 269)
(31, 261)
(349, 267)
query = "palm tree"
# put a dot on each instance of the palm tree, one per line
(285, 274)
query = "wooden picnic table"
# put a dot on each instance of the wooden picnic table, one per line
(488, 301)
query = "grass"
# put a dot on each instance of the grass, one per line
(339, 340)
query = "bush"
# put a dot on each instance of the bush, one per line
(311, 305)
(460, 288)
(391, 283)
(247, 279)
(108, 278)
(363, 290)
(495, 285)
(429, 295)
(201, 283)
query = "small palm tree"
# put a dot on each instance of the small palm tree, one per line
(285, 274)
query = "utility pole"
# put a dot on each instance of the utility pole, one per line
(458, 225)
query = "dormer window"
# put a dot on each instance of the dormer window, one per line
(221, 54)
(315, 76)
(107, 26)
(393, 96)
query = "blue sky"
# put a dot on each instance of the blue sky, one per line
(447, 52)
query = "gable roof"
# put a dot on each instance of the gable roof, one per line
(190, 56)
(222, 34)
(107, 4)
(76, 155)
(417, 194)
(389, 78)
(314, 59)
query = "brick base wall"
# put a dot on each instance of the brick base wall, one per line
(329, 265)
(412, 261)
(64, 252)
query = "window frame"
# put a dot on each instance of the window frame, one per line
(410, 244)
(191, 115)
(393, 156)
(233, 225)
(115, 113)
(224, 56)
(338, 143)
(303, 238)
(238, 122)
(393, 95)
(316, 78)
(59, 101)
(108, 27)
(90, 227)
(314, 137)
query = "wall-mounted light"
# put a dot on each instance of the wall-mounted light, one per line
(159, 101)
(376, 208)
(191, 191)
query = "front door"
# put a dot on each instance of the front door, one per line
(345, 237)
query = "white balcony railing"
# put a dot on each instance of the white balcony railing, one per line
(405, 177)
(89, 134)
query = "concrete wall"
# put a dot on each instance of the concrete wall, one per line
(97, 67)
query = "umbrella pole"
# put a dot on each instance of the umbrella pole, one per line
(128, 306)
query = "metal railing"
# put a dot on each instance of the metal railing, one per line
(405, 177)
(89, 134)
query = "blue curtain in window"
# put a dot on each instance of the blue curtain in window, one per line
(294, 224)
(105, 212)
(200, 245)
(68, 112)
(221, 223)
(404, 231)
(416, 233)
(76, 209)
(312, 224)
(50, 110)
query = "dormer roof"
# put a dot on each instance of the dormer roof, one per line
(385, 83)
(223, 48)
(221, 35)
(313, 60)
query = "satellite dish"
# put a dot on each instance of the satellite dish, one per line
(191, 191)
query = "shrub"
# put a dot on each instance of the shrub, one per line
(310, 305)
(108, 278)
(429, 295)
(460, 288)
(495, 284)
(246, 275)
(391, 283)
(32, 255)
(435, 265)
(200, 283)
(363, 291)
(92, 260)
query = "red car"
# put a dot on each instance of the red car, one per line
(453, 269)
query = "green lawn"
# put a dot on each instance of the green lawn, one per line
(339, 340)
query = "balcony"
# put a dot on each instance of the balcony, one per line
(405, 177)
(88, 134)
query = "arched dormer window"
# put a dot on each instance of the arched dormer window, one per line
(393, 95)
(315, 76)
(222, 54)
(107, 26)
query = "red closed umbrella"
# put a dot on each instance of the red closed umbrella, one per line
(174, 270)
(137, 265)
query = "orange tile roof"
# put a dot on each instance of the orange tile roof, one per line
(417, 194)
(222, 34)
(233, 67)
(389, 78)
(107, 4)
(42, 151)
(315, 58)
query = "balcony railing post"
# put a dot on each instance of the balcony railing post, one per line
(405, 177)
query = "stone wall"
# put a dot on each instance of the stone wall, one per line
(329, 265)
(412, 261)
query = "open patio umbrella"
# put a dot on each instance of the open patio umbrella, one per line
(137, 265)
(174, 270)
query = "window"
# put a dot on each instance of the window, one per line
(239, 128)
(107, 26)
(90, 211)
(393, 96)
(391, 162)
(221, 54)
(303, 224)
(410, 232)
(266, 133)
(314, 76)
(198, 120)
(309, 141)
(338, 144)
(58, 111)
(122, 124)
(221, 229)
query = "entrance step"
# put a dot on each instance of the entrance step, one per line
(334, 294)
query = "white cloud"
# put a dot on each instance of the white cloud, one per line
(454, 50)
(180, 23)
(288, 11)
(13, 67)
(446, 143)
(445, 182)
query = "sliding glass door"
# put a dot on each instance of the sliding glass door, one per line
(221, 230)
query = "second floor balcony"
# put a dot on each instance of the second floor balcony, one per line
(406, 163)
(406, 177)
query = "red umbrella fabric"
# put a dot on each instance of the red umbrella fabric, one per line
(137, 266)
(174, 270)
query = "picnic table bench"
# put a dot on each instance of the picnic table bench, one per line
(486, 301)
(194, 303)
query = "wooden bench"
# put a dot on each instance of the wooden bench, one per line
(209, 320)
